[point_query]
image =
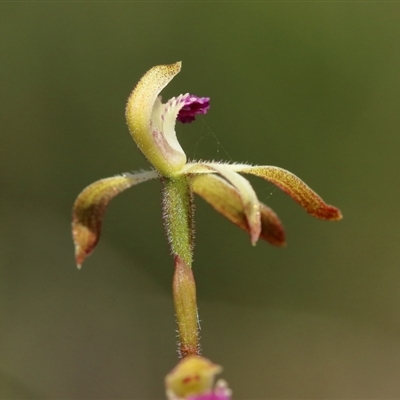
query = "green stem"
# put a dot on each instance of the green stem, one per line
(184, 292)
(178, 221)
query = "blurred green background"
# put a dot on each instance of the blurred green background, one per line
(310, 87)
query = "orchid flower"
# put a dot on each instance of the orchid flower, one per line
(193, 379)
(152, 126)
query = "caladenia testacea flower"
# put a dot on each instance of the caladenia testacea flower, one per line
(193, 379)
(152, 126)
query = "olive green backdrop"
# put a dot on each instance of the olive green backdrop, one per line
(310, 87)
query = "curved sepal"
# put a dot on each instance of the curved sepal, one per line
(225, 198)
(286, 181)
(296, 189)
(145, 116)
(90, 206)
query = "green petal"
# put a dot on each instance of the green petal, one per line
(225, 198)
(247, 196)
(91, 205)
(295, 188)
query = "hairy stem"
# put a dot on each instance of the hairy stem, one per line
(184, 291)
(178, 221)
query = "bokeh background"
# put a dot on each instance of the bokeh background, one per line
(310, 87)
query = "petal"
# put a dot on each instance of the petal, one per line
(271, 227)
(90, 206)
(295, 188)
(144, 112)
(247, 196)
(225, 198)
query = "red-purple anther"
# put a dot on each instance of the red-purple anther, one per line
(192, 105)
